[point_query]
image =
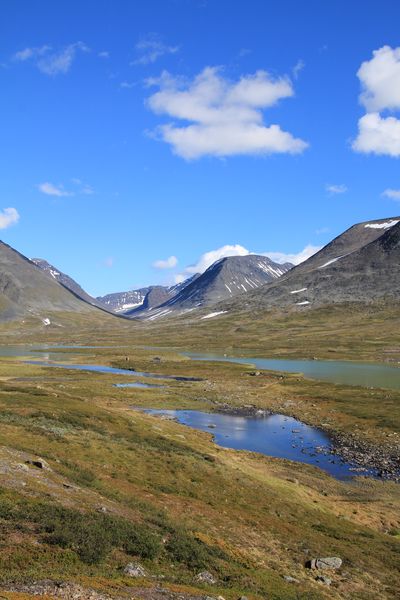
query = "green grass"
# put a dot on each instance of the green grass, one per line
(175, 501)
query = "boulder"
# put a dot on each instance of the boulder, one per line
(206, 577)
(134, 570)
(329, 562)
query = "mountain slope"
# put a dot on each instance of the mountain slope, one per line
(67, 282)
(119, 302)
(224, 279)
(360, 265)
(26, 289)
(142, 299)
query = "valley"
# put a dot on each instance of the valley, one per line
(130, 469)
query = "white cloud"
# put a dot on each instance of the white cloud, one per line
(225, 118)
(336, 188)
(87, 190)
(296, 259)
(28, 53)
(103, 54)
(380, 80)
(392, 194)
(51, 63)
(8, 217)
(380, 83)
(209, 258)
(170, 263)
(151, 48)
(299, 66)
(53, 190)
(378, 135)
(83, 188)
(58, 190)
(127, 85)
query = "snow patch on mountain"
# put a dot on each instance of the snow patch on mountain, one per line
(385, 225)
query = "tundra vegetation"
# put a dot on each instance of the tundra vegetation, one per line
(89, 484)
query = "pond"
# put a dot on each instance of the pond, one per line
(273, 435)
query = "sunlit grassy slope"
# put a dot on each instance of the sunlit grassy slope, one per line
(158, 493)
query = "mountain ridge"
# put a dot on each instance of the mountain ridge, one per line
(367, 268)
(225, 278)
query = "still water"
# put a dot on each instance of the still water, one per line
(274, 435)
(334, 371)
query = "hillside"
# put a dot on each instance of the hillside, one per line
(225, 279)
(360, 265)
(27, 290)
(67, 282)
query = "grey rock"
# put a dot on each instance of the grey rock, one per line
(290, 579)
(323, 579)
(134, 570)
(329, 562)
(206, 577)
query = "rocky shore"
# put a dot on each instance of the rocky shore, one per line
(376, 460)
(382, 460)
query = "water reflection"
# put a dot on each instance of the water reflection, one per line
(273, 435)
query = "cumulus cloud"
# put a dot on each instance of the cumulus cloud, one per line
(49, 62)
(296, 259)
(225, 118)
(209, 258)
(378, 135)
(169, 263)
(392, 194)
(336, 188)
(53, 190)
(8, 217)
(380, 80)
(380, 83)
(151, 48)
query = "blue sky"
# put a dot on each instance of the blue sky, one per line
(138, 136)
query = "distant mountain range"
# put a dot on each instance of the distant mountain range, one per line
(226, 278)
(360, 265)
(134, 301)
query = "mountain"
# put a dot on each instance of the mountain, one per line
(66, 281)
(360, 265)
(119, 302)
(26, 289)
(135, 301)
(226, 278)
